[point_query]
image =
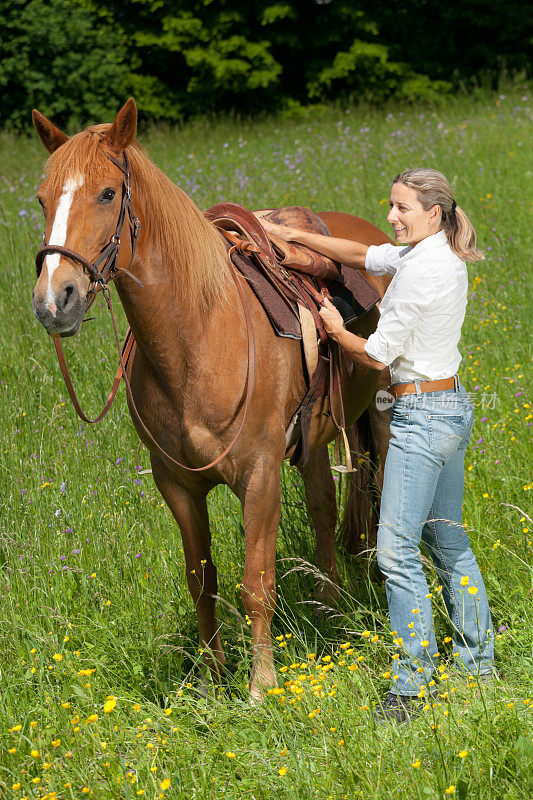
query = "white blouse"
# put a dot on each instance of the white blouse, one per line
(422, 311)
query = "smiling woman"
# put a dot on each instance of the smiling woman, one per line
(421, 315)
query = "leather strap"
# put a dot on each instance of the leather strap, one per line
(231, 215)
(398, 389)
(250, 380)
(128, 348)
(124, 354)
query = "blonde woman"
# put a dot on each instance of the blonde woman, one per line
(421, 315)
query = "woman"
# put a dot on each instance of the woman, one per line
(431, 423)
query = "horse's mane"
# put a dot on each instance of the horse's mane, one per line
(184, 239)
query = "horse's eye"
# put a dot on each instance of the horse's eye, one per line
(106, 196)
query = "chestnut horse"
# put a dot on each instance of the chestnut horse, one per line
(189, 372)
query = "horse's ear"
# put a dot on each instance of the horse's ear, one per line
(50, 136)
(124, 127)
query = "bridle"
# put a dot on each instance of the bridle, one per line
(104, 269)
(109, 254)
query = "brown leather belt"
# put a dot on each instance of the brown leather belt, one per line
(425, 386)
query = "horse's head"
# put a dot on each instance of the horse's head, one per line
(81, 199)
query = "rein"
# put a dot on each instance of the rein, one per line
(109, 271)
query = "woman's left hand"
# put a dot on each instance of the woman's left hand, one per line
(333, 322)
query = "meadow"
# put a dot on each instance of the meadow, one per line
(99, 647)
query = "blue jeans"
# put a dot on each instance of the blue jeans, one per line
(422, 501)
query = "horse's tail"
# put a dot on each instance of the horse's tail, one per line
(369, 439)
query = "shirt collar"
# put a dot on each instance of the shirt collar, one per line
(429, 243)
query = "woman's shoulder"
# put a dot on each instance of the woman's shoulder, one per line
(434, 254)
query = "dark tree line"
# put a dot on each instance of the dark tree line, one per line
(78, 59)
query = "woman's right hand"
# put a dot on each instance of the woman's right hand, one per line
(281, 231)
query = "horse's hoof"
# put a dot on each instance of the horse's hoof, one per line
(257, 698)
(203, 687)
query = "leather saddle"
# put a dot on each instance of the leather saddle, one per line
(291, 280)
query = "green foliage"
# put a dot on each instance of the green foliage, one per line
(62, 58)
(231, 66)
(366, 70)
(78, 59)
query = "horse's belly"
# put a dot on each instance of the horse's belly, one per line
(358, 393)
(359, 386)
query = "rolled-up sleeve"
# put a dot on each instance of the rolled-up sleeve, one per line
(411, 294)
(383, 259)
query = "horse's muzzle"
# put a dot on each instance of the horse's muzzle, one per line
(61, 314)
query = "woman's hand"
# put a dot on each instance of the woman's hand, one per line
(331, 318)
(281, 231)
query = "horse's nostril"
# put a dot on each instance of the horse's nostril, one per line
(68, 296)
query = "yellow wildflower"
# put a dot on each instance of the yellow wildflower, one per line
(110, 704)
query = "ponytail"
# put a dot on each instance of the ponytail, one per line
(461, 235)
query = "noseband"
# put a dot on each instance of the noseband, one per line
(104, 268)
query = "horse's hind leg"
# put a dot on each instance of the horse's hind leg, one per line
(190, 512)
(321, 504)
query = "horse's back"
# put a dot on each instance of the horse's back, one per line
(348, 226)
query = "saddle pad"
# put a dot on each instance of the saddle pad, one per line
(354, 297)
(281, 313)
(309, 340)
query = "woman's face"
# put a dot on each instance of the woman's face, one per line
(410, 222)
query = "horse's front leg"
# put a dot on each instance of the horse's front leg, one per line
(322, 507)
(190, 512)
(260, 499)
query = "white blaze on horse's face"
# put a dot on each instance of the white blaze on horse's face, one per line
(59, 233)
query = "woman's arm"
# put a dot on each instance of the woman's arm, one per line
(352, 254)
(353, 346)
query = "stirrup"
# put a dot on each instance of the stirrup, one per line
(339, 466)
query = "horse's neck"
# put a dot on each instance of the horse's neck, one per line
(167, 318)
(162, 324)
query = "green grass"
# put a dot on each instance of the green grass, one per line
(91, 565)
